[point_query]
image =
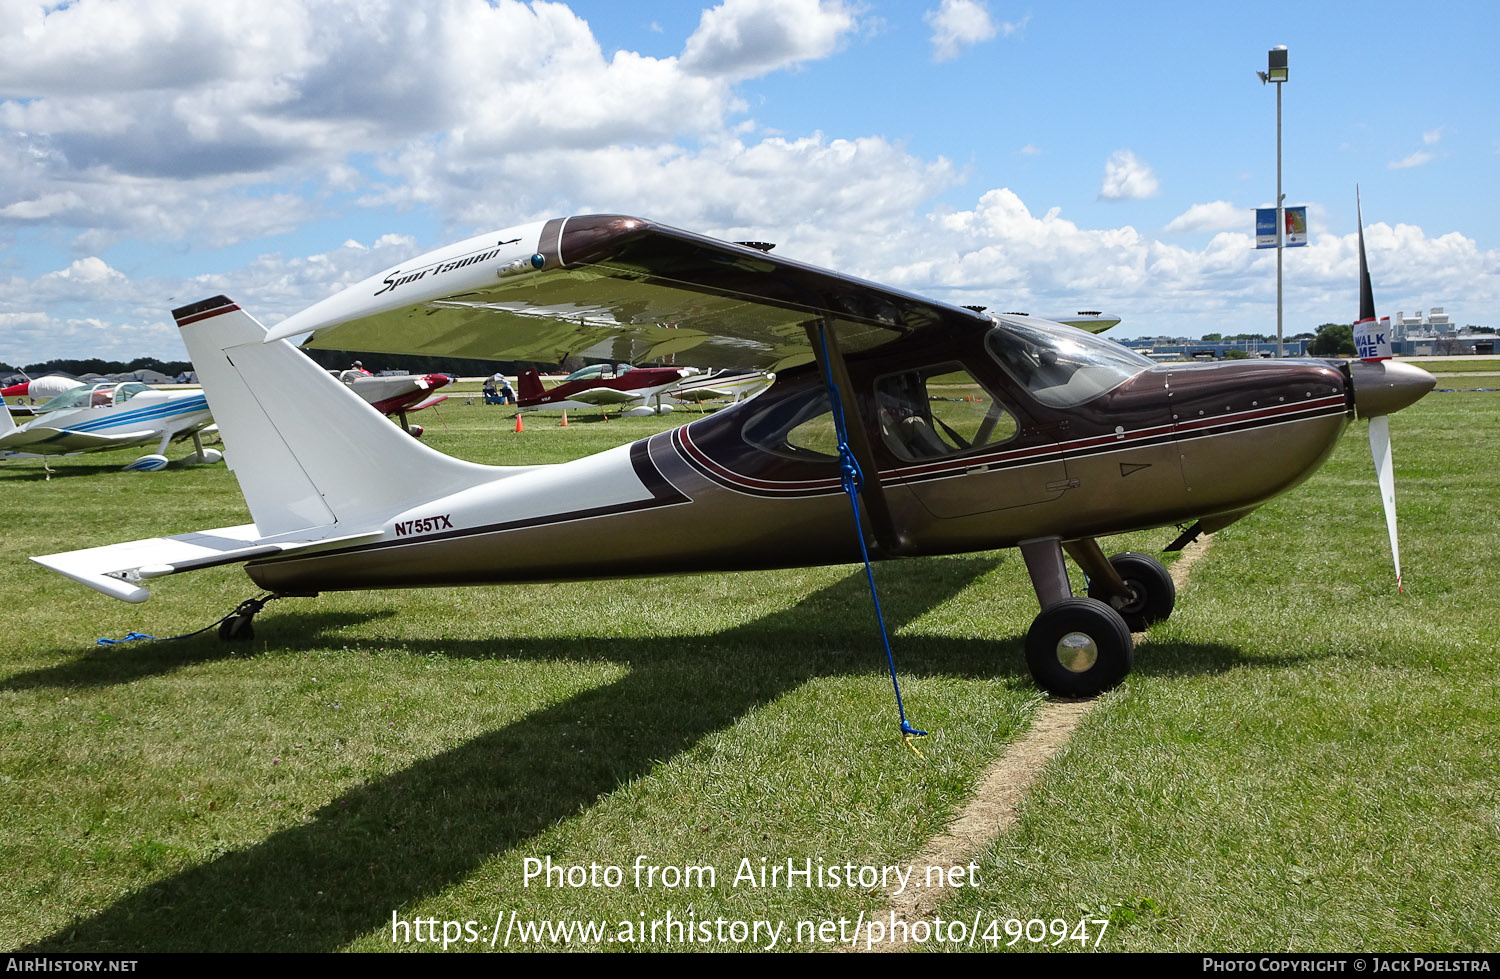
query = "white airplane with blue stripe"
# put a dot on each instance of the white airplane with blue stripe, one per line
(112, 416)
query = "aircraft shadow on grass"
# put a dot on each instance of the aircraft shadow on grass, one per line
(127, 662)
(320, 885)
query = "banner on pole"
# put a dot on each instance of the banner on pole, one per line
(1265, 227)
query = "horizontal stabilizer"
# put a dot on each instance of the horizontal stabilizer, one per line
(117, 569)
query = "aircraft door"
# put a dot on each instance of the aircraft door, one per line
(963, 451)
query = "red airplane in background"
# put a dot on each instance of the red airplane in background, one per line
(604, 386)
(396, 394)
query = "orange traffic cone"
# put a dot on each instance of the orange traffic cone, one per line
(564, 422)
(519, 427)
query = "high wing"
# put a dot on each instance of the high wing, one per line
(613, 287)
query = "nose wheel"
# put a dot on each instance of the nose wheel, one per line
(1152, 593)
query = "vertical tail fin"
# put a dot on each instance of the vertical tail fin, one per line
(307, 451)
(531, 385)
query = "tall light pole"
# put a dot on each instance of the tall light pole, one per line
(1276, 72)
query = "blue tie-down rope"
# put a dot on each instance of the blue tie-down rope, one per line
(130, 638)
(251, 605)
(853, 479)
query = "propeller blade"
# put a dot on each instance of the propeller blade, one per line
(1380, 451)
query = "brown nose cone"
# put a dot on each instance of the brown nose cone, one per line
(1384, 386)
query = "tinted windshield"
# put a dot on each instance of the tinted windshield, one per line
(800, 427)
(125, 392)
(1062, 366)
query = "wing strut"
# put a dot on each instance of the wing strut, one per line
(889, 541)
(852, 474)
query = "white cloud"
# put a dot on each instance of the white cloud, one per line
(43, 206)
(956, 25)
(1415, 160)
(184, 122)
(959, 24)
(1213, 216)
(740, 38)
(826, 192)
(1127, 178)
(1432, 135)
(1030, 149)
(87, 272)
(163, 119)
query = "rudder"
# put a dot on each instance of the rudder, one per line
(531, 385)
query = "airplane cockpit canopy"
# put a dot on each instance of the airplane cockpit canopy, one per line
(1061, 367)
(599, 371)
(101, 395)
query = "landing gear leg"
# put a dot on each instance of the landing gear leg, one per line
(1076, 647)
(201, 455)
(1135, 585)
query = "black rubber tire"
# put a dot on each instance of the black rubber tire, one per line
(1079, 617)
(237, 628)
(1155, 592)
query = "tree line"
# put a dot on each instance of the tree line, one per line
(328, 359)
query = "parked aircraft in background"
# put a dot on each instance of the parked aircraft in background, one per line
(603, 386)
(91, 418)
(41, 389)
(397, 394)
(896, 426)
(722, 385)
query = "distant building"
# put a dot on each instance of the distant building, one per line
(1181, 348)
(1435, 334)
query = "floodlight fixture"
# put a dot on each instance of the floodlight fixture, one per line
(1276, 64)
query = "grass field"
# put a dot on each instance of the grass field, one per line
(1302, 759)
(1463, 365)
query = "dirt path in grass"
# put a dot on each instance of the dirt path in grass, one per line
(992, 810)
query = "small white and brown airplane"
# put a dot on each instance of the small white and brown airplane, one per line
(950, 430)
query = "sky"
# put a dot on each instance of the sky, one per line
(1030, 157)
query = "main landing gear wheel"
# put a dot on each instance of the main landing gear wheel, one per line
(1154, 593)
(1079, 647)
(237, 626)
